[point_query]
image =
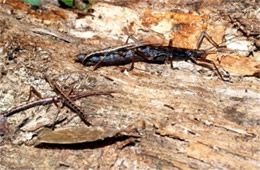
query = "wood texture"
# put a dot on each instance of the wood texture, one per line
(184, 119)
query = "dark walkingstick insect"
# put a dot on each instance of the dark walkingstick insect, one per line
(131, 53)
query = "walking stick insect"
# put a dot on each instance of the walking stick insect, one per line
(150, 53)
(49, 100)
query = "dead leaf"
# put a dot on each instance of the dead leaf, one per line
(74, 135)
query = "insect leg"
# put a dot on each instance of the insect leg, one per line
(139, 53)
(210, 62)
(34, 91)
(206, 35)
(131, 37)
(171, 61)
(133, 62)
(99, 63)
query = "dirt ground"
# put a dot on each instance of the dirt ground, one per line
(158, 118)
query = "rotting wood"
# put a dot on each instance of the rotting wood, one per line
(209, 124)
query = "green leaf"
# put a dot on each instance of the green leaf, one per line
(68, 2)
(33, 2)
